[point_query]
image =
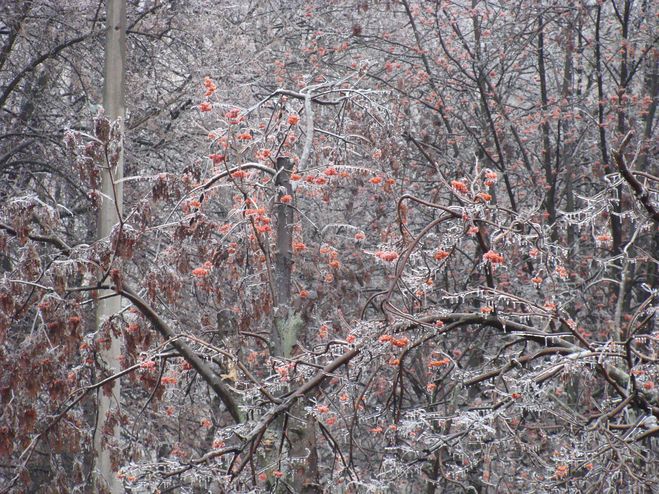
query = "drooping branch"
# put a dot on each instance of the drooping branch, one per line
(250, 442)
(219, 176)
(617, 377)
(57, 242)
(162, 327)
(269, 417)
(639, 191)
(212, 379)
(39, 60)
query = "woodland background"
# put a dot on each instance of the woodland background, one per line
(359, 246)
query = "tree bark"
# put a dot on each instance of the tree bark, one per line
(298, 426)
(284, 333)
(616, 225)
(551, 175)
(109, 215)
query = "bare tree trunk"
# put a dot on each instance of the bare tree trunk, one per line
(284, 334)
(564, 129)
(626, 269)
(616, 226)
(109, 215)
(551, 174)
(298, 427)
(650, 88)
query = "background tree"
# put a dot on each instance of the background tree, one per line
(472, 211)
(110, 224)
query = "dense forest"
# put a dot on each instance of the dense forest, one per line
(329, 246)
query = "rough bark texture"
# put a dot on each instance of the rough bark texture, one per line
(298, 427)
(285, 326)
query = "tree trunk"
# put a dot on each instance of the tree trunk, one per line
(551, 175)
(298, 427)
(284, 334)
(109, 215)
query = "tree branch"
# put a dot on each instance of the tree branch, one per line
(639, 191)
(212, 379)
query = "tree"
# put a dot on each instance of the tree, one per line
(451, 289)
(110, 224)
